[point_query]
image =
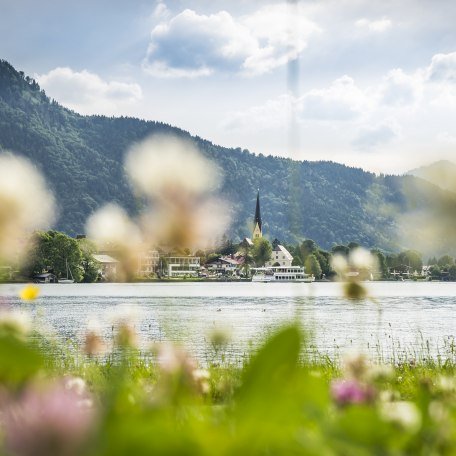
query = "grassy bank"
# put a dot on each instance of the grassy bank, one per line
(277, 400)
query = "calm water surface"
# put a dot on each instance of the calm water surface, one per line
(416, 319)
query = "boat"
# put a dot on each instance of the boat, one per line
(69, 276)
(279, 274)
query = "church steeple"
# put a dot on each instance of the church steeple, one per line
(257, 232)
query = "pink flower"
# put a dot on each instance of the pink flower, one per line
(351, 392)
(54, 420)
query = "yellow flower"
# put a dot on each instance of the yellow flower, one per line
(29, 293)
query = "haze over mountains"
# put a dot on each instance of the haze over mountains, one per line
(441, 173)
(82, 159)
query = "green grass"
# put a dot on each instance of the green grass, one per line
(279, 399)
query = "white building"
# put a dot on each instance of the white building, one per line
(281, 256)
(148, 263)
(108, 266)
(223, 265)
(181, 266)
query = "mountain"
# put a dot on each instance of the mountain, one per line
(441, 173)
(82, 159)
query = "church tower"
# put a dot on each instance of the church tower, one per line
(257, 233)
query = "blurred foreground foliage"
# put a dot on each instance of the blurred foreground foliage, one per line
(277, 402)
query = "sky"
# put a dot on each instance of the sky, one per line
(367, 83)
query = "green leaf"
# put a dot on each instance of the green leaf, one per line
(18, 362)
(273, 366)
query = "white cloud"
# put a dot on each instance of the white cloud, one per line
(376, 26)
(379, 135)
(342, 100)
(87, 93)
(442, 68)
(191, 44)
(272, 114)
(401, 89)
(161, 11)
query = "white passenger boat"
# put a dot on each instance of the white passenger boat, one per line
(281, 274)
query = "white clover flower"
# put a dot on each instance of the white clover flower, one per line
(339, 264)
(17, 321)
(163, 165)
(360, 258)
(21, 188)
(125, 319)
(354, 364)
(446, 384)
(404, 413)
(380, 372)
(76, 384)
(438, 412)
(112, 224)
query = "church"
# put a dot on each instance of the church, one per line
(280, 255)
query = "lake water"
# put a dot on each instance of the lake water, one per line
(417, 319)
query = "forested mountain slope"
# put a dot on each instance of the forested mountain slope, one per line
(82, 159)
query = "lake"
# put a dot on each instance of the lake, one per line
(417, 319)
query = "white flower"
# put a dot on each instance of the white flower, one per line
(361, 258)
(163, 165)
(403, 413)
(339, 264)
(16, 320)
(21, 188)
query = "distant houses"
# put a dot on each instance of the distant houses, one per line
(107, 267)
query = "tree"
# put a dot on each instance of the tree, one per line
(381, 262)
(432, 261)
(275, 243)
(452, 272)
(445, 261)
(435, 272)
(296, 261)
(90, 266)
(411, 258)
(228, 248)
(312, 266)
(340, 250)
(353, 246)
(261, 251)
(55, 252)
(323, 258)
(306, 248)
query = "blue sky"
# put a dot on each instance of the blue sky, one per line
(373, 82)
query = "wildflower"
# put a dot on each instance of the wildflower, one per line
(380, 372)
(219, 339)
(15, 322)
(111, 225)
(404, 413)
(201, 379)
(351, 392)
(339, 264)
(21, 185)
(172, 360)
(446, 384)
(438, 412)
(47, 421)
(125, 319)
(361, 259)
(354, 290)
(354, 365)
(29, 293)
(93, 341)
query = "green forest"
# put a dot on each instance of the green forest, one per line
(82, 159)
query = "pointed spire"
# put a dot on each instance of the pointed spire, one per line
(257, 219)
